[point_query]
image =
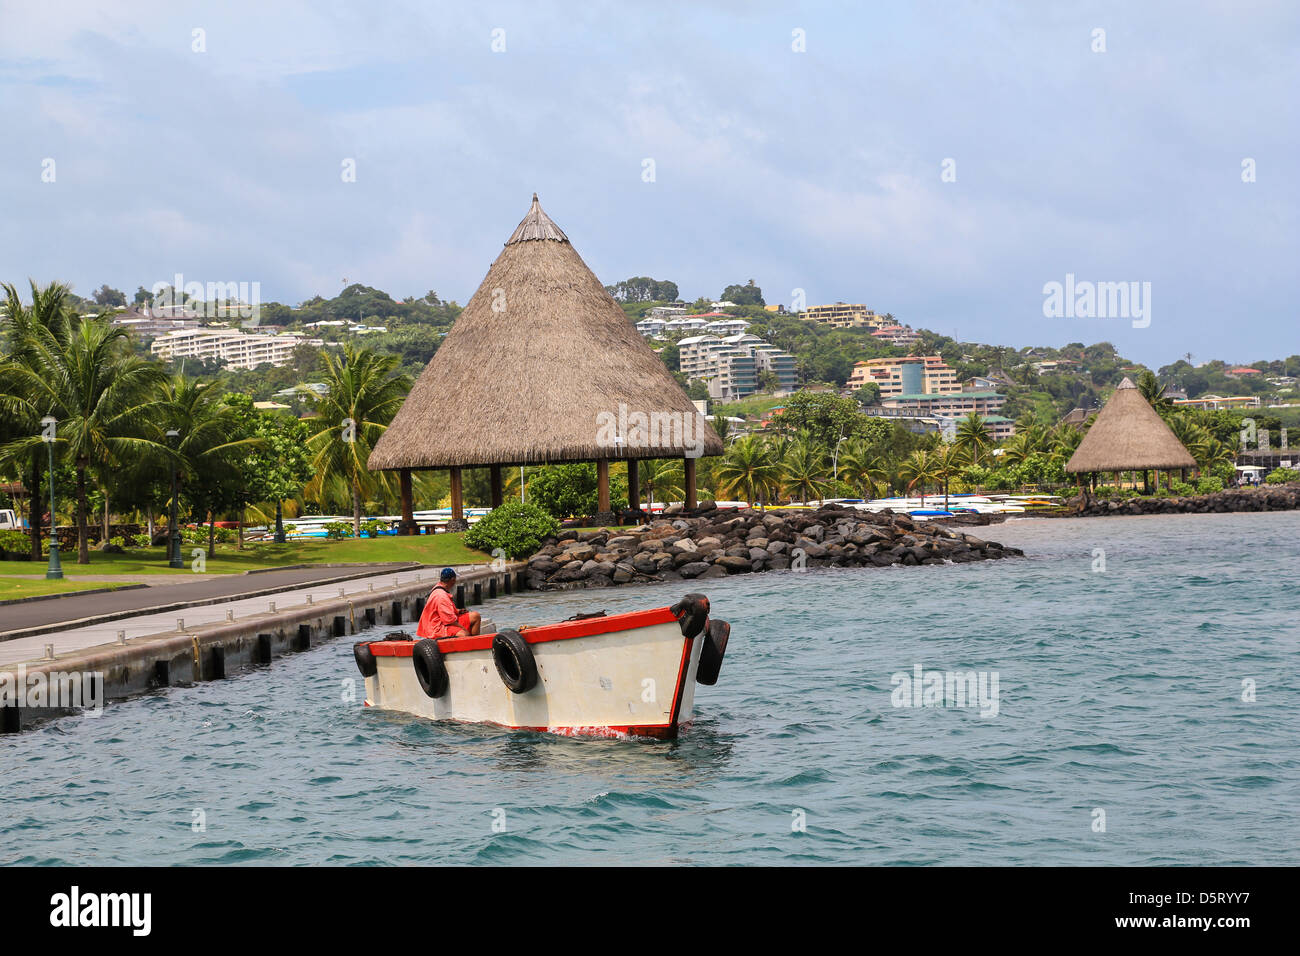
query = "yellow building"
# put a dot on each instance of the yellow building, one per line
(842, 316)
(913, 375)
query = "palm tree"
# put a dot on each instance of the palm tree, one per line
(201, 452)
(804, 469)
(948, 461)
(1154, 392)
(49, 310)
(103, 397)
(863, 467)
(750, 468)
(974, 438)
(365, 393)
(921, 468)
(664, 475)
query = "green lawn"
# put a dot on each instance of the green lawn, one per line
(426, 549)
(11, 588)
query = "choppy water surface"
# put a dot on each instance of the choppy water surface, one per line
(1119, 690)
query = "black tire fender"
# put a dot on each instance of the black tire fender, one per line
(430, 670)
(365, 659)
(692, 613)
(515, 662)
(711, 654)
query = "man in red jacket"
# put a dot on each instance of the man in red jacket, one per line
(440, 617)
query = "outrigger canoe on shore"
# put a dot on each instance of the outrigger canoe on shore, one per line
(591, 675)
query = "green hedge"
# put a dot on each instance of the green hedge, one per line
(516, 528)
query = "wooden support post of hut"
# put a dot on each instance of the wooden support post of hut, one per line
(602, 487)
(633, 484)
(457, 522)
(408, 525)
(541, 367)
(1129, 436)
(494, 477)
(689, 469)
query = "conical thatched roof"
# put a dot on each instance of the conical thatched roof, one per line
(536, 368)
(1129, 435)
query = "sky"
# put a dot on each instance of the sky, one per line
(940, 161)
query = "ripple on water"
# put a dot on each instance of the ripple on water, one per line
(1121, 690)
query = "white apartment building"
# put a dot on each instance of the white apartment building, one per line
(726, 327)
(651, 327)
(691, 324)
(730, 365)
(236, 348)
(666, 312)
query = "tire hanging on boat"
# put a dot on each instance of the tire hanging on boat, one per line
(515, 662)
(715, 646)
(365, 659)
(430, 670)
(692, 613)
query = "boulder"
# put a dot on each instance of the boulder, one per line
(692, 569)
(733, 564)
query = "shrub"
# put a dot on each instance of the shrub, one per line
(338, 530)
(1280, 476)
(1208, 485)
(119, 541)
(17, 542)
(570, 490)
(516, 528)
(373, 527)
(1110, 491)
(1182, 488)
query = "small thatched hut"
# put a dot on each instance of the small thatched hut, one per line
(542, 367)
(1129, 435)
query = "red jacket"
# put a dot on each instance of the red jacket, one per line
(440, 618)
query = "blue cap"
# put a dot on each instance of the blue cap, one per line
(448, 574)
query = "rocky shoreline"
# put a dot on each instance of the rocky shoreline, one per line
(1265, 498)
(712, 542)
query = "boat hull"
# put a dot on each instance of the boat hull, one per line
(626, 674)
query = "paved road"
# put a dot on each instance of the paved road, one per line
(23, 618)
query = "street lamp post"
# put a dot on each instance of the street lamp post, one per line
(174, 534)
(54, 571)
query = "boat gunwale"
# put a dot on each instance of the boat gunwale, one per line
(538, 634)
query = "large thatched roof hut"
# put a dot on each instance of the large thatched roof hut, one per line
(1128, 435)
(542, 367)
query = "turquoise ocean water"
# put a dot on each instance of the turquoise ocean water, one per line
(1120, 693)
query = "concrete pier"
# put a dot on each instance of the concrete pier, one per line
(211, 641)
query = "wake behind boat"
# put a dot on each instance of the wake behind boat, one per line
(591, 675)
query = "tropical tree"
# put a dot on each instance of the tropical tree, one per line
(974, 439)
(365, 392)
(920, 469)
(1149, 385)
(803, 470)
(103, 397)
(279, 463)
(749, 468)
(863, 467)
(663, 475)
(49, 310)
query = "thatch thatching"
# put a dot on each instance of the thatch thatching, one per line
(539, 359)
(1129, 435)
